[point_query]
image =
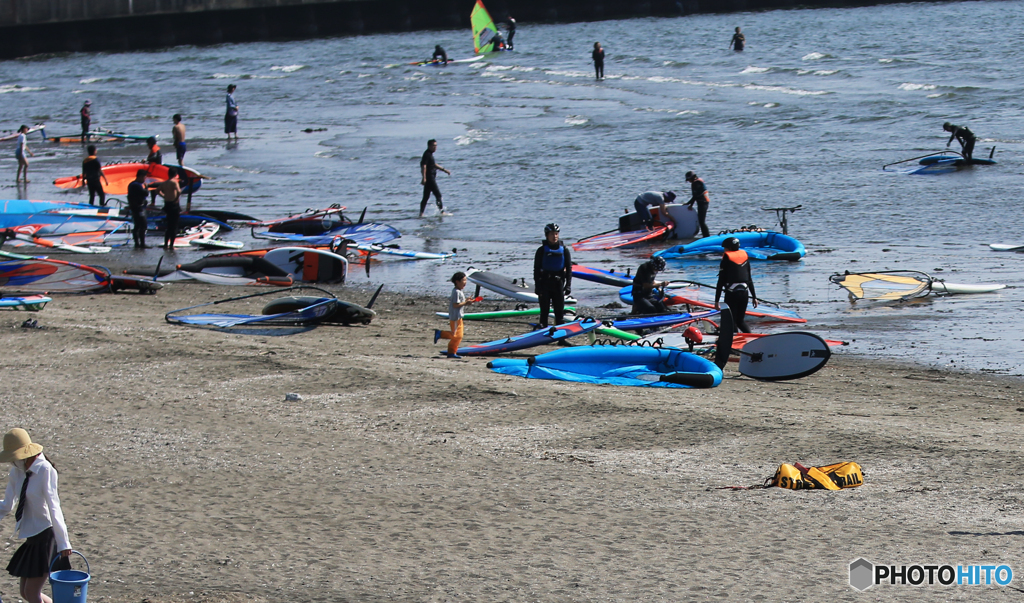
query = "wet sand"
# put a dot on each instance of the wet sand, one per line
(403, 476)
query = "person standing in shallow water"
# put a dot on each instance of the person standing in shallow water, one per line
(32, 495)
(231, 114)
(428, 173)
(738, 41)
(598, 56)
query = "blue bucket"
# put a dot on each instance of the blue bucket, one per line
(69, 586)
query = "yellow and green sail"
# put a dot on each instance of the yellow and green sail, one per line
(483, 29)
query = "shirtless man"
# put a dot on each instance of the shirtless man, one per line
(170, 191)
(178, 132)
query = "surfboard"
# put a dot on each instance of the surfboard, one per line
(397, 251)
(13, 134)
(605, 277)
(506, 286)
(664, 320)
(499, 314)
(309, 265)
(1004, 247)
(544, 336)
(784, 356)
(216, 244)
(29, 303)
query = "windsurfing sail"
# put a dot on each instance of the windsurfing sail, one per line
(884, 286)
(484, 29)
(43, 275)
(322, 308)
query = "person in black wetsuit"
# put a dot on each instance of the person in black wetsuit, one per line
(598, 56)
(737, 41)
(137, 195)
(439, 54)
(735, 281)
(92, 171)
(644, 284)
(699, 195)
(86, 115)
(552, 275)
(964, 136)
(511, 31)
(428, 171)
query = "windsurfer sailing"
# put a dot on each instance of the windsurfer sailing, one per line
(511, 32)
(964, 136)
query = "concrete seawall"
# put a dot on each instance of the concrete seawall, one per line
(29, 27)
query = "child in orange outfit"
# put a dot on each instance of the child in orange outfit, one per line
(455, 305)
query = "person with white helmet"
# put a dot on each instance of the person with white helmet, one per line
(735, 281)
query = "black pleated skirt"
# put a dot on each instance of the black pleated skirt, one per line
(33, 557)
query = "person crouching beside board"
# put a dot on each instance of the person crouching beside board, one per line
(735, 280)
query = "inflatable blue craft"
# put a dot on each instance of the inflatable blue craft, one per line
(758, 245)
(616, 365)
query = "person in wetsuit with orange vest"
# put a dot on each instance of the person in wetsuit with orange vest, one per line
(552, 275)
(735, 280)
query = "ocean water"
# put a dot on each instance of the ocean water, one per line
(807, 115)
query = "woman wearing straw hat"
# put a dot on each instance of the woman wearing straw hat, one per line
(32, 495)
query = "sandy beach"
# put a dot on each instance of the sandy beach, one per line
(185, 476)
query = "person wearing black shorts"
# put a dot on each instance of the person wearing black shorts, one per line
(428, 173)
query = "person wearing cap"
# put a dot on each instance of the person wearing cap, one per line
(646, 297)
(32, 496)
(86, 114)
(735, 281)
(644, 200)
(699, 195)
(964, 136)
(231, 114)
(552, 275)
(428, 174)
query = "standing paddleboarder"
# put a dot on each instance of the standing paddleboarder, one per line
(598, 57)
(735, 280)
(552, 275)
(962, 135)
(428, 173)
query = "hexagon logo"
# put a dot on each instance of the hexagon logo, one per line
(861, 574)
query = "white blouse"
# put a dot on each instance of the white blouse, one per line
(42, 505)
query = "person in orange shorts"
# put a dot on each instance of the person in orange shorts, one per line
(456, 303)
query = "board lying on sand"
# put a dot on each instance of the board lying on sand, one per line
(544, 336)
(616, 365)
(499, 314)
(784, 356)
(506, 286)
(285, 311)
(901, 285)
(662, 320)
(758, 245)
(48, 276)
(30, 303)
